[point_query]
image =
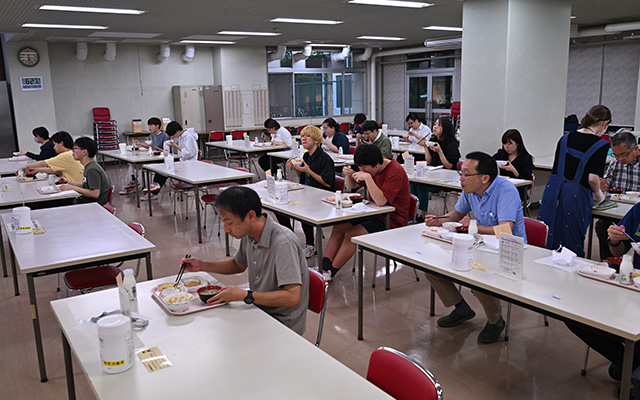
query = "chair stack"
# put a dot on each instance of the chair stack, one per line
(105, 129)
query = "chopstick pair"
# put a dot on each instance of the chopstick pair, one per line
(181, 272)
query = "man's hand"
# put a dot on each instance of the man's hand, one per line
(302, 168)
(360, 176)
(435, 147)
(347, 171)
(604, 186)
(66, 186)
(432, 220)
(227, 295)
(193, 264)
(22, 153)
(616, 233)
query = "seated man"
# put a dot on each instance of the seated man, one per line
(41, 136)
(417, 130)
(185, 141)
(270, 253)
(377, 137)
(95, 185)
(387, 184)
(611, 346)
(493, 201)
(334, 140)
(624, 174)
(277, 135)
(63, 163)
(358, 120)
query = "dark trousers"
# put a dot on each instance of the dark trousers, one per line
(160, 179)
(265, 163)
(306, 228)
(610, 346)
(601, 232)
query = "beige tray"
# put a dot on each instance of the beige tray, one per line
(30, 179)
(613, 280)
(196, 304)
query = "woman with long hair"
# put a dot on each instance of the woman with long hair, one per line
(519, 161)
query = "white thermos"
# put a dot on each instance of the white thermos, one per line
(462, 254)
(24, 220)
(116, 343)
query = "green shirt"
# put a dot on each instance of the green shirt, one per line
(384, 144)
(94, 177)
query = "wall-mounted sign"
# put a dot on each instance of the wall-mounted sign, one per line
(31, 83)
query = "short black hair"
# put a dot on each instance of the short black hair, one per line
(359, 118)
(154, 121)
(64, 138)
(486, 164)
(412, 116)
(369, 125)
(625, 137)
(87, 144)
(41, 132)
(271, 123)
(172, 128)
(239, 200)
(368, 154)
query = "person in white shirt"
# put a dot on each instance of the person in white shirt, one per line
(417, 130)
(276, 135)
(185, 141)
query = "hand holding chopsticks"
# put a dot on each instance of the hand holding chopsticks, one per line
(183, 266)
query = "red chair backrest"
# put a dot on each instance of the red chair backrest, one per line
(113, 189)
(110, 208)
(400, 377)
(316, 291)
(412, 206)
(136, 226)
(536, 232)
(217, 135)
(459, 165)
(237, 134)
(339, 183)
(101, 114)
(345, 126)
(352, 149)
(455, 108)
(300, 128)
(244, 182)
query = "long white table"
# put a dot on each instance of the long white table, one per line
(232, 352)
(564, 295)
(75, 237)
(197, 173)
(546, 162)
(339, 160)
(135, 158)
(450, 179)
(9, 168)
(251, 151)
(411, 148)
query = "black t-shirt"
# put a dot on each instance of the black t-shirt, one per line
(322, 164)
(451, 150)
(523, 163)
(582, 142)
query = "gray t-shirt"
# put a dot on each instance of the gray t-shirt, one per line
(159, 139)
(95, 178)
(275, 261)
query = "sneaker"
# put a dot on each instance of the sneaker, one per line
(455, 318)
(127, 190)
(146, 197)
(155, 187)
(491, 332)
(327, 276)
(131, 185)
(309, 250)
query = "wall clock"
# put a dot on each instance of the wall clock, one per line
(28, 56)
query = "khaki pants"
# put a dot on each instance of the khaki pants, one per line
(449, 295)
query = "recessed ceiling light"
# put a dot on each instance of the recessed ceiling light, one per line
(392, 3)
(573, 17)
(57, 26)
(327, 45)
(92, 9)
(241, 33)
(306, 21)
(443, 28)
(380, 38)
(206, 42)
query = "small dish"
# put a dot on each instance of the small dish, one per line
(614, 191)
(193, 283)
(597, 270)
(296, 161)
(636, 247)
(636, 194)
(462, 229)
(451, 226)
(16, 153)
(157, 153)
(614, 262)
(178, 302)
(502, 162)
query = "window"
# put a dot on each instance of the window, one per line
(315, 87)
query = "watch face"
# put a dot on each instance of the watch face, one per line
(28, 56)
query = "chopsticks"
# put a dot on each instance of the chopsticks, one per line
(182, 268)
(626, 234)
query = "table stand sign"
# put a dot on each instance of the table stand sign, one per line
(511, 256)
(271, 187)
(168, 162)
(409, 166)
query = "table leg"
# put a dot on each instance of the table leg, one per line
(627, 362)
(360, 301)
(147, 259)
(387, 221)
(36, 327)
(149, 191)
(4, 261)
(198, 216)
(226, 242)
(135, 180)
(16, 289)
(590, 238)
(68, 368)
(319, 248)
(432, 302)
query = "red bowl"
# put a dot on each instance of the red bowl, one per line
(614, 262)
(204, 297)
(462, 229)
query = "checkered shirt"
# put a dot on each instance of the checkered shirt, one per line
(625, 177)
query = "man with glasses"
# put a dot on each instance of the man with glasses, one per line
(417, 130)
(623, 174)
(95, 184)
(493, 201)
(375, 136)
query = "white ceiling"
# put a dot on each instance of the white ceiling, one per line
(169, 21)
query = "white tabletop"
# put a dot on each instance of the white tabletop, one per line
(338, 160)
(10, 167)
(231, 352)
(546, 162)
(616, 212)
(603, 306)
(238, 145)
(449, 178)
(396, 132)
(411, 148)
(27, 192)
(200, 173)
(352, 139)
(134, 157)
(311, 208)
(75, 234)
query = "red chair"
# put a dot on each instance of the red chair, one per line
(345, 126)
(239, 159)
(300, 128)
(454, 114)
(113, 189)
(401, 377)
(352, 149)
(110, 208)
(181, 189)
(210, 199)
(318, 288)
(237, 134)
(216, 136)
(86, 279)
(606, 137)
(339, 183)
(459, 165)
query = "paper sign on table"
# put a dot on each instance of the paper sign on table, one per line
(511, 256)
(153, 359)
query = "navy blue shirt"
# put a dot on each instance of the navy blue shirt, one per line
(46, 152)
(322, 164)
(631, 223)
(340, 140)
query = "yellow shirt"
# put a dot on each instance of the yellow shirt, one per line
(71, 169)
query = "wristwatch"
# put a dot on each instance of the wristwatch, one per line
(613, 245)
(249, 298)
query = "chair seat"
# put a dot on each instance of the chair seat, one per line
(91, 277)
(209, 198)
(237, 158)
(182, 186)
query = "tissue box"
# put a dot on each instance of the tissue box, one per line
(137, 125)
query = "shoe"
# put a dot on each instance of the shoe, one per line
(327, 276)
(309, 250)
(455, 318)
(127, 191)
(131, 185)
(155, 187)
(491, 332)
(615, 373)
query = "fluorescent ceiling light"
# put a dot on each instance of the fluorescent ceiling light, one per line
(392, 3)
(241, 33)
(206, 42)
(573, 17)
(92, 9)
(327, 45)
(443, 28)
(306, 21)
(380, 38)
(64, 26)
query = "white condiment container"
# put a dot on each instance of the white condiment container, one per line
(116, 343)
(626, 270)
(129, 285)
(24, 220)
(409, 166)
(473, 229)
(282, 192)
(462, 254)
(122, 147)
(168, 162)
(229, 140)
(338, 199)
(421, 169)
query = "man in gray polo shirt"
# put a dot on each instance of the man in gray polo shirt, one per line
(271, 255)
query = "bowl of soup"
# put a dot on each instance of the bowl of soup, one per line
(207, 292)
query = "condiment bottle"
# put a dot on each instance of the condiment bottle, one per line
(279, 175)
(150, 151)
(338, 199)
(473, 229)
(129, 285)
(626, 270)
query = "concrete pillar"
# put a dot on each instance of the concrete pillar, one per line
(514, 72)
(636, 123)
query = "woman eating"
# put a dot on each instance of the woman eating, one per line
(519, 161)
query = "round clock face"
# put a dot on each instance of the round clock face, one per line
(28, 56)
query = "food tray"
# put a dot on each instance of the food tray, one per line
(263, 144)
(19, 158)
(291, 186)
(196, 304)
(613, 280)
(30, 179)
(624, 198)
(436, 236)
(331, 200)
(48, 189)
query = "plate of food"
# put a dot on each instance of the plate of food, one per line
(434, 231)
(263, 144)
(451, 226)
(634, 194)
(193, 283)
(180, 300)
(49, 189)
(296, 161)
(346, 202)
(168, 288)
(292, 186)
(597, 270)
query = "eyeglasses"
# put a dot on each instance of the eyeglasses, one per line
(621, 156)
(465, 175)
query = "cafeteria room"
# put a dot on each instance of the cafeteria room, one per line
(492, 164)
